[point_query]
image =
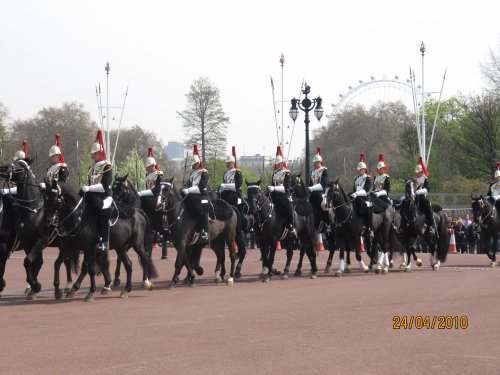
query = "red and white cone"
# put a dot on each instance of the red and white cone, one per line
(453, 244)
(319, 242)
(362, 245)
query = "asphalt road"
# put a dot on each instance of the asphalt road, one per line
(296, 326)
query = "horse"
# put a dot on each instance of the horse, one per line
(182, 226)
(125, 193)
(413, 229)
(77, 226)
(348, 226)
(306, 230)
(488, 220)
(7, 234)
(33, 234)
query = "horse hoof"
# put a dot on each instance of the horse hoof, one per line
(124, 294)
(328, 269)
(72, 293)
(262, 275)
(27, 290)
(385, 271)
(284, 276)
(58, 294)
(391, 264)
(377, 271)
(148, 285)
(116, 283)
(237, 275)
(171, 287)
(90, 297)
(407, 269)
(366, 270)
(31, 296)
(348, 270)
(276, 272)
(106, 290)
(218, 280)
(370, 266)
(230, 282)
(419, 262)
(337, 274)
(266, 279)
(402, 266)
(492, 264)
(191, 284)
(435, 267)
(313, 276)
(298, 273)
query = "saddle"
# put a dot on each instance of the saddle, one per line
(122, 210)
(218, 209)
(302, 207)
(379, 205)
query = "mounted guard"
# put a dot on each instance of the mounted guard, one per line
(231, 181)
(318, 183)
(494, 189)
(150, 196)
(419, 190)
(197, 188)
(382, 183)
(58, 170)
(281, 192)
(19, 155)
(98, 191)
(362, 184)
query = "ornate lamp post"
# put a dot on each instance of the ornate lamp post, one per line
(306, 105)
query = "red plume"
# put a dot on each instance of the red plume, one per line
(25, 147)
(233, 151)
(381, 158)
(498, 165)
(98, 139)
(58, 144)
(279, 152)
(152, 154)
(426, 172)
(195, 152)
(363, 159)
(318, 152)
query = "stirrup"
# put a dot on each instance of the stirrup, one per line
(204, 235)
(102, 246)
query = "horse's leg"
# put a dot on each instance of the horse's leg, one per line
(31, 263)
(57, 267)
(264, 251)
(117, 281)
(3, 261)
(341, 269)
(289, 256)
(311, 255)
(127, 264)
(180, 261)
(68, 263)
(164, 249)
(76, 286)
(331, 252)
(348, 261)
(302, 252)
(232, 258)
(357, 249)
(270, 262)
(377, 259)
(242, 252)
(91, 266)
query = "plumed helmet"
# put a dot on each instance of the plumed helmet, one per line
(497, 173)
(419, 168)
(361, 165)
(279, 159)
(230, 159)
(195, 159)
(317, 158)
(150, 161)
(54, 150)
(380, 164)
(96, 147)
(19, 155)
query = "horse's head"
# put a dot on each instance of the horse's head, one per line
(53, 202)
(335, 193)
(410, 187)
(17, 171)
(167, 192)
(299, 189)
(254, 192)
(120, 188)
(479, 207)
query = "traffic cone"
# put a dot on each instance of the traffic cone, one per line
(319, 242)
(278, 246)
(453, 244)
(362, 245)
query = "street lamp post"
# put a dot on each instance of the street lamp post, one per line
(306, 105)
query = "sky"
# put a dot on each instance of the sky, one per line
(55, 51)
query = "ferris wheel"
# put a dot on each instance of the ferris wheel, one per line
(378, 90)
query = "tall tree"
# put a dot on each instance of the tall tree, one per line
(490, 70)
(204, 119)
(5, 136)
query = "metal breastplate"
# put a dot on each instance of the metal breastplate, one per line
(495, 189)
(151, 179)
(421, 182)
(195, 177)
(229, 176)
(279, 177)
(316, 175)
(53, 172)
(359, 183)
(97, 171)
(379, 182)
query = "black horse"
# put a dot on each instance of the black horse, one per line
(182, 226)
(7, 234)
(306, 230)
(413, 229)
(488, 220)
(78, 227)
(348, 226)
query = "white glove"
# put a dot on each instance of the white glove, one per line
(146, 193)
(228, 187)
(317, 187)
(361, 193)
(279, 189)
(85, 188)
(97, 188)
(185, 191)
(194, 190)
(310, 188)
(354, 195)
(380, 193)
(7, 191)
(421, 192)
(270, 188)
(42, 185)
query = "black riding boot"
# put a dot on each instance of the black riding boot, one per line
(105, 215)
(204, 230)
(429, 217)
(292, 233)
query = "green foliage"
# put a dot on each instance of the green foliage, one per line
(133, 166)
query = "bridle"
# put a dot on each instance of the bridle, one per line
(259, 202)
(24, 203)
(483, 221)
(335, 190)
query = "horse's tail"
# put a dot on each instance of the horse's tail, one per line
(74, 259)
(444, 238)
(148, 233)
(395, 244)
